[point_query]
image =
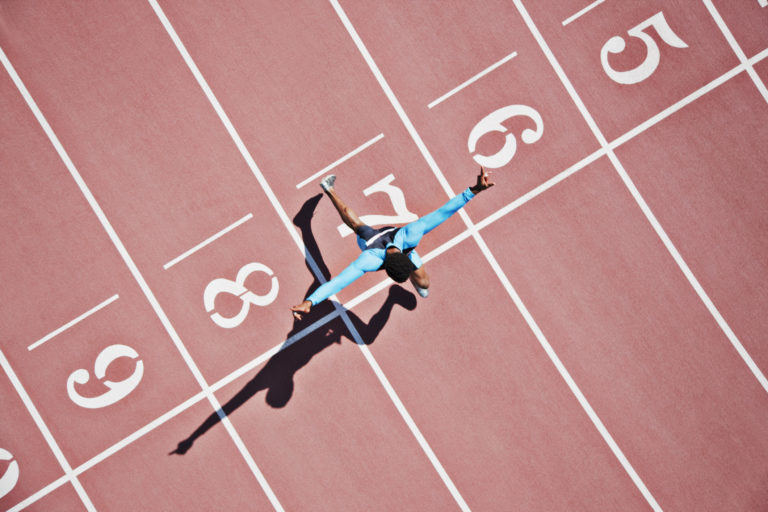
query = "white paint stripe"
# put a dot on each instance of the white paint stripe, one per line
(643, 205)
(341, 160)
(737, 49)
(675, 107)
(441, 178)
(208, 241)
(129, 263)
(52, 444)
(39, 494)
(254, 363)
(763, 3)
(582, 12)
(286, 222)
(472, 80)
(73, 322)
(377, 370)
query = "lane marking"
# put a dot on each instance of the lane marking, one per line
(341, 160)
(377, 370)
(489, 256)
(372, 291)
(582, 12)
(134, 272)
(3, 361)
(737, 49)
(472, 80)
(52, 444)
(73, 322)
(763, 3)
(208, 241)
(641, 202)
(296, 238)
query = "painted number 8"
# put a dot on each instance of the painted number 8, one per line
(237, 288)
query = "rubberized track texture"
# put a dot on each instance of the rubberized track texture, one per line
(594, 337)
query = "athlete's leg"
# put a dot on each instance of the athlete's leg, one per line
(348, 215)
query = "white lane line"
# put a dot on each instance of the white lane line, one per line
(166, 322)
(256, 362)
(634, 132)
(737, 345)
(208, 241)
(582, 12)
(4, 362)
(763, 3)
(128, 260)
(291, 230)
(341, 160)
(73, 322)
(377, 370)
(472, 80)
(486, 252)
(52, 444)
(737, 49)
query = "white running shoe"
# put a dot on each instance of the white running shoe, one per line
(328, 182)
(424, 292)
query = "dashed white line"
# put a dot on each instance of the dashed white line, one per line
(582, 12)
(472, 80)
(208, 241)
(341, 160)
(73, 322)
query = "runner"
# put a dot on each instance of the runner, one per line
(388, 248)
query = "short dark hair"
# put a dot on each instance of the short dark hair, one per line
(398, 266)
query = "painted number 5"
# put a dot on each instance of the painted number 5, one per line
(493, 123)
(616, 44)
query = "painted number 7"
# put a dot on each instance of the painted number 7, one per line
(396, 196)
(616, 44)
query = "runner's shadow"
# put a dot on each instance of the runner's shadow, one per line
(277, 375)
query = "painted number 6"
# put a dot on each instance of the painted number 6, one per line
(616, 44)
(493, 123)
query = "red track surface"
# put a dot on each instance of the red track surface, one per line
(598, 343)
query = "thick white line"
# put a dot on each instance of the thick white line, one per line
(737, 49)
(291, 230)
(491, 259)
(52, 444)
(208, 241)
(583, 12)
(642, 204)
(73, 322)
(763, 3)
(132, 267)
(400, 407)
(341, 160)
(472, 80)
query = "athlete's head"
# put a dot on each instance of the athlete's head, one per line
(398, 266)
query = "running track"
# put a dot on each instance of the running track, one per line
(595, 335)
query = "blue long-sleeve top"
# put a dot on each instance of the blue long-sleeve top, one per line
(407, 237)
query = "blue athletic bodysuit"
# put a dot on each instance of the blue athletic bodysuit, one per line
(374, 243)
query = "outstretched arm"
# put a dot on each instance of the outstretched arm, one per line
(366, 262)
(418, 228)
